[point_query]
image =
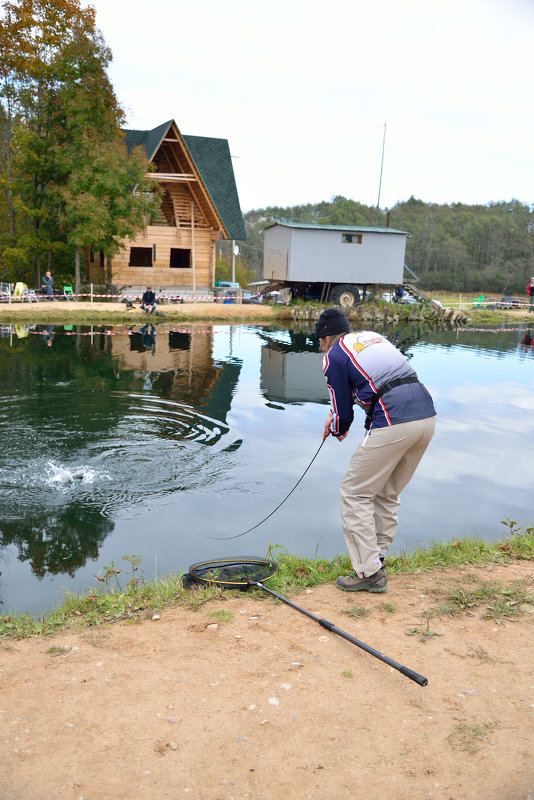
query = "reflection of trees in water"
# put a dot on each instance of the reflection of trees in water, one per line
(58, 542)
(301, 338)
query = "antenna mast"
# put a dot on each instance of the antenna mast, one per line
(381, 167)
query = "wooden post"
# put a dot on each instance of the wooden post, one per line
(91, 293)
(193, 248)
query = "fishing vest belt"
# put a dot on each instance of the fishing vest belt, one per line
(384, 389)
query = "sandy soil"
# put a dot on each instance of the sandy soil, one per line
(271, 705)
(61, 309)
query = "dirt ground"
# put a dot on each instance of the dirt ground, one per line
(61, 309)
(248, 698)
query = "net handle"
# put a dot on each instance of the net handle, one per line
(406, 671)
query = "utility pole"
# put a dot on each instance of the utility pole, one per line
(380, 181)
(233, 261)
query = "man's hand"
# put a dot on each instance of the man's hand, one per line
(327, 425)
(327, 430)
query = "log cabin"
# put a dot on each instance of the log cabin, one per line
(199, 205)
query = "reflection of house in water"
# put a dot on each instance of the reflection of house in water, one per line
(293, 372)
(181, 367)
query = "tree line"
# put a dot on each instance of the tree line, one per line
(66, 180)
(457, 247)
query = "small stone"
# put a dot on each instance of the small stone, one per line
(286, 686)
(274, 701)
(156, 616)
(172, 745)
(213, 626)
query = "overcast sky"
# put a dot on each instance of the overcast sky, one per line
(303, 90)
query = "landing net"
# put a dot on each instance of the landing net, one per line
(230, 573)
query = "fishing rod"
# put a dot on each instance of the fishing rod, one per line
(238, 535)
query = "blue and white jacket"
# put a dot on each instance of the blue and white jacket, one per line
(356, 368)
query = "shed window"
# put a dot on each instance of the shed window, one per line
(351, 238)
(140, 257)
(180, 258)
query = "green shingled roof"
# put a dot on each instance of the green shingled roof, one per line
(214, 163)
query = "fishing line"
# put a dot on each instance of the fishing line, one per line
(238, 535)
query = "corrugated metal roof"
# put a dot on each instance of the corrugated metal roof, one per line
(344, 228)
(213, 160)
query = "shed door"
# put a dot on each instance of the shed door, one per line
(275, 266)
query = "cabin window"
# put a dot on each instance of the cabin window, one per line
(351, 238)
(180, 258)
(140, 257)
(179, 341)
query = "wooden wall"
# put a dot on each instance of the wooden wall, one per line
(171, 229)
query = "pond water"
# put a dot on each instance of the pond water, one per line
(169, 443)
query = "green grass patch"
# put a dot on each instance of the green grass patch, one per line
(222, 615)
(126, 596)
(357, 611)
(471, 737)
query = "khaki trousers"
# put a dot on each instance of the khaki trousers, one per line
(378, 471)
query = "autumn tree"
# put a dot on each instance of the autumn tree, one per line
(66, 175)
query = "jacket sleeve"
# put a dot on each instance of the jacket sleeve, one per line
(341, 396)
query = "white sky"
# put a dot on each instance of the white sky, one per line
(302, 90)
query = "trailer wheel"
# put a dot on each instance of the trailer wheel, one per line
(346, 295)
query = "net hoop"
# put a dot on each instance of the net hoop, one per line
(230, 573)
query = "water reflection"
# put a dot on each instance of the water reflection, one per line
(105, 408)
(57, 542)
(164, 441)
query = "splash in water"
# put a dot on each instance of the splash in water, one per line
(62, 476)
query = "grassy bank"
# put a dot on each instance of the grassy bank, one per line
(121, 593)
(86, 313)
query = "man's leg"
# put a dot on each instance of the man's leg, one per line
(367, 477)
(369, 469)
(387, 502)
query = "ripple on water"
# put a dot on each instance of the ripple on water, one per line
(110, 452)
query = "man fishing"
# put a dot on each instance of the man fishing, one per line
(363, 368)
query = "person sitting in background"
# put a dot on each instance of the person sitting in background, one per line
(399, 293)
(48, 284)
(148, 333)
(148, 300)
